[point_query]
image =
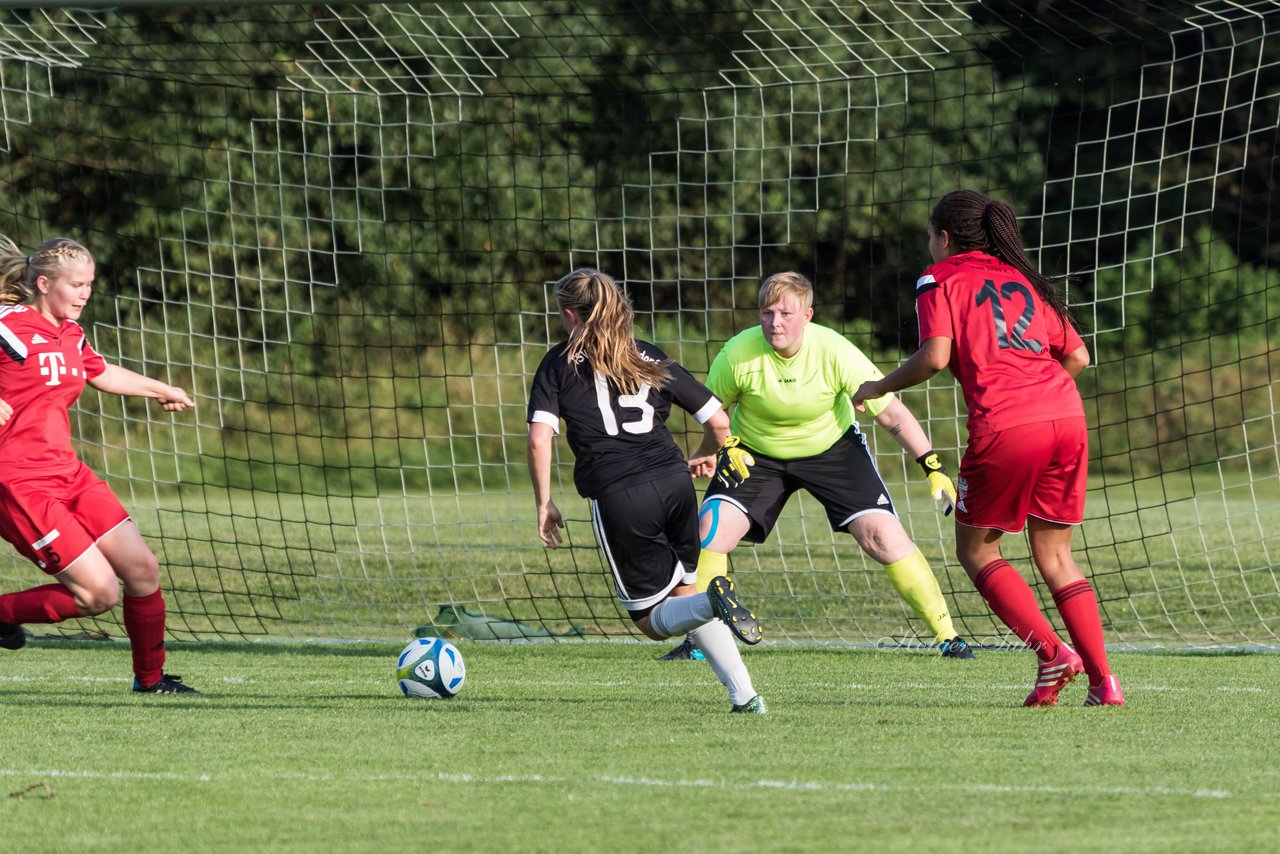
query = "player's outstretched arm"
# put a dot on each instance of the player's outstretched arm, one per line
(934, 355)
(549, 519)
(897, 419)
(903, 426)
(702, 462)
(118, 380)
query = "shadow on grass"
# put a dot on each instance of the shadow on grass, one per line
(353, 649)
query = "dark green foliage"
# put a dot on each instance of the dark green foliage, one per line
(339, 222)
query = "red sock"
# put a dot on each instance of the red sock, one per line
(1079, 609)
(1011, 599)
(144, 624)
(51, 603)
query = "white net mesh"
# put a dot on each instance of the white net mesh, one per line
(337, 225)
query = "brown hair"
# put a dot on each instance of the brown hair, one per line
(19, 272)
(605, 333)
(786, 284)
(976, 221)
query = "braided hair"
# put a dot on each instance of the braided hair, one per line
(19, 272)
(976, 221)
(605, 334)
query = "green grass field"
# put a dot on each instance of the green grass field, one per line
(1176, 562)
(596, 747)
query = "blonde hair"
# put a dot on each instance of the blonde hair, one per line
(19, 272)
(605, 333)
(788, 284)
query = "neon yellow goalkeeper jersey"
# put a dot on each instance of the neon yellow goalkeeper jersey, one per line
(797, 407)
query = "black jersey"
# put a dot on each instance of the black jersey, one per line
(618, 440)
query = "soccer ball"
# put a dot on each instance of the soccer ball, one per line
(430, 667)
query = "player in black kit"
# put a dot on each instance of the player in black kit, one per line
(614, 394)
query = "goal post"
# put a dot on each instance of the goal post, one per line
(337, 226)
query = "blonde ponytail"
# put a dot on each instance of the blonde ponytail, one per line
(605, 334)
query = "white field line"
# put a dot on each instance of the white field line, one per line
(107, 775)
(1131, 687)
(816, 786)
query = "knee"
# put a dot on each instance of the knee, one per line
(141, 575)
(1058, 569)
(646, 628)
(882, 540)
(98, 599)
(1050, 564)
(974, 559)
(973, 565)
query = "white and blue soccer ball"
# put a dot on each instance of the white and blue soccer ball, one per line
(430, 667)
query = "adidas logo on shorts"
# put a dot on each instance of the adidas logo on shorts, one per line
(882, 500)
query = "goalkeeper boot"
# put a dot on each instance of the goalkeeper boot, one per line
(1105, 693)
(956, 648)
(167, 684)
(12, 636)
(754, 706)
(686, 651)
(1054, 675)
(725, 604)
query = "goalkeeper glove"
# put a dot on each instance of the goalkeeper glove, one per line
(939, 481)
(733, 462)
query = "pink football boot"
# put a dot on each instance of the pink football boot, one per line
(1105, 693)
(1054, 675)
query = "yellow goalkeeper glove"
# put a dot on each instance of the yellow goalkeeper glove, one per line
(733, 462)
(940, 484)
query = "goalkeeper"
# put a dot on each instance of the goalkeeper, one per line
(788, 382)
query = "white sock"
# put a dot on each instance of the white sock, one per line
(717, 643)
(676, 615)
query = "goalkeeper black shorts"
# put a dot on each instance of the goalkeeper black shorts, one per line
(843, 478)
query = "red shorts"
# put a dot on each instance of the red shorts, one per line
(52, 520)
(1037, 470)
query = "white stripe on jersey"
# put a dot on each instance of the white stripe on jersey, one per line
(13, 342)
(703, 415)
(926, 279)
(543, 417)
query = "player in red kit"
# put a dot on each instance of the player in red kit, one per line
(54, 510)
(1005, 333)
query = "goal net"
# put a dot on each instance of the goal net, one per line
(337, 226)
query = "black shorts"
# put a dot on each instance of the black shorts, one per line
(649, 535)
(843, 478)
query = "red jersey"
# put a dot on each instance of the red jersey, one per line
(43, 370)
(1006, 342)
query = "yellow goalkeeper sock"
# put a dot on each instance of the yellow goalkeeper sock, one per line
(914, 581)
(711, 564)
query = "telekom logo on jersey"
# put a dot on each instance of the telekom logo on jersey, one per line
(53, 365)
